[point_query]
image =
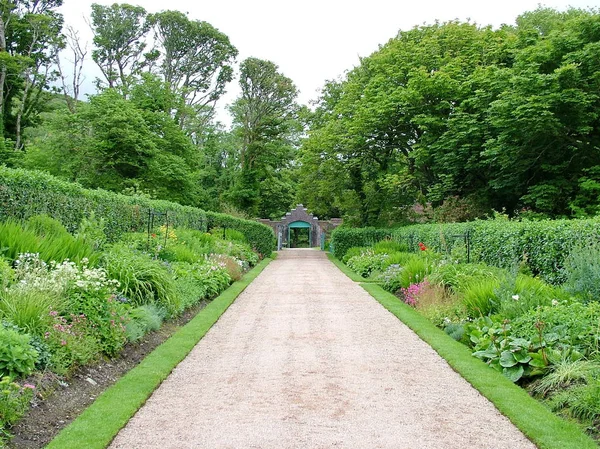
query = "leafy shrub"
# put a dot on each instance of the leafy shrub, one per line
(367, 263)
(354, 251)
(398, 258)
(582, 272)
(46, 227)
(515, 357)
(523, 294)
(26, 193)
(142, 280)
(142, 320)
(479, 297)
(17, 357)
(233, 268)
(14, 402)
(71, 342)
(390, 278)
(573, 325)
(260, 237)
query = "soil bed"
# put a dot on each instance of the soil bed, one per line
(60, 400)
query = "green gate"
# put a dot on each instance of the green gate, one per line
(300, 225)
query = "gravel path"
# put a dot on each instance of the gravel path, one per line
(305, 358)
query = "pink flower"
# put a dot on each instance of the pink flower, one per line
(29, 386)
(63, 342)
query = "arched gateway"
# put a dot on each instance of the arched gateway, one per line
(299, 229)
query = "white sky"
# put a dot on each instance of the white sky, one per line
(315, 40)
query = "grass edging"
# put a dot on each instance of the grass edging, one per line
(537, 422)
(100, 422)
(346, 269)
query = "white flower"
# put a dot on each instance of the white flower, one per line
(555, 302)
(515, 297)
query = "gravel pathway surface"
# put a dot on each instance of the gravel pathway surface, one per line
(305, 358)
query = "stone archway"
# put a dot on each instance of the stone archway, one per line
(317, 229)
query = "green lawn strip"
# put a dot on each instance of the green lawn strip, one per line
(100, 422)
(347, 270)
(545, 429)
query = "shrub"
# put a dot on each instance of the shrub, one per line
(523, 294)
(367, 263)
(17, 357)
(398, 258)
(342, 238)
(574, 325)
(142, 320)
(14, 402)
(142, 280)
(354, 251)
(233, 268)
(582, 272)
(260, 237)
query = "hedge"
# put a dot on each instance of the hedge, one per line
(541, 245)
(261, 237)
(24, 193)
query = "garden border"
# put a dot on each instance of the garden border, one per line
(354, 276)
(97, 426)
(537, 422)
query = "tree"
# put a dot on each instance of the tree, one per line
(30, 36)
(119, 32)
(195, 62)
(266, 123)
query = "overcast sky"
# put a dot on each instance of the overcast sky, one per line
(315, 40)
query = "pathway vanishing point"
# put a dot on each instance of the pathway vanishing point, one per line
(305, 358)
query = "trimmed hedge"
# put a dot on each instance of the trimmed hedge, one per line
(24, 193)
(542, 245)
(261, 237)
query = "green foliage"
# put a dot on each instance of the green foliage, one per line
(479, 297)
(27, 193)
(564, 374)
(570, 325)
(6, 274)
(389, 247)
(582, 268)
(143, 319)
(458, 276)
(143, 280)
(414, 271)
(541, 247)
(342, 238)
(17, 357)
(515, 357)
(367, 263)
(15, 240)
(519, 295)
(29, 308)
(260, 237)
(354, 251)
(14, 402)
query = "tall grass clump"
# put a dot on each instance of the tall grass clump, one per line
(414, 271)
(15, 240)
(29, 308)
(479, 297)
(457, 277)
(143, 280)
(389, 246)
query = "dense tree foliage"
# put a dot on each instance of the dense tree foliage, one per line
(462, 115)
(445, 122)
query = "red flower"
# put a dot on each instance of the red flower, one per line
(422, 246)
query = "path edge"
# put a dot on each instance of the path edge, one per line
(97, 426)
(535, 420)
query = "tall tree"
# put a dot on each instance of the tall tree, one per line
(195, 62)
(266, 122)
(119, 33)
